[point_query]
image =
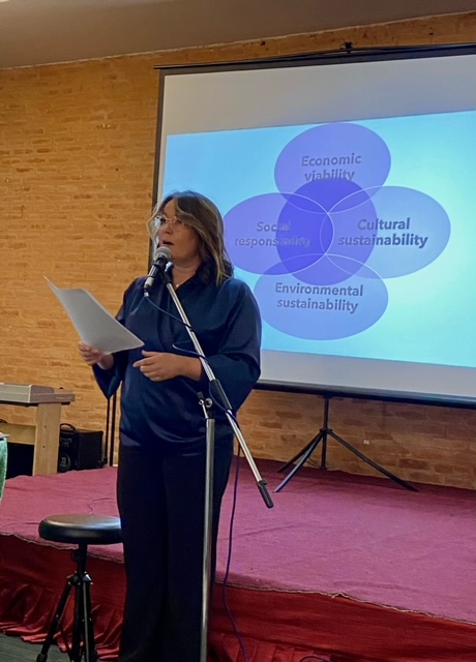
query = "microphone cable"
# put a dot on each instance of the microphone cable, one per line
(238, 635)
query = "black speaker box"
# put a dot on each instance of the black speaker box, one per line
(80, 449)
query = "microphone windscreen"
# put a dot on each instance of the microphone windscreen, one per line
(163, 254)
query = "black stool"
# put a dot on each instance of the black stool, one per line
(81, 530)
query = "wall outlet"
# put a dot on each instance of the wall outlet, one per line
(366, 442)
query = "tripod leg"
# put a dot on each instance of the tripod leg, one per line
(53, 629)
(90, 654)
(373, 464)
(310, 449)
(304, 450)
(75, 653)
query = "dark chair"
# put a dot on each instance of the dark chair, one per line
(80, 530)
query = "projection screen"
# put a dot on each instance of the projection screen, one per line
(347, 183)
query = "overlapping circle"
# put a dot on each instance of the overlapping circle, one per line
(325, 241)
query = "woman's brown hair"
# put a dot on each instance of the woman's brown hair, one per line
(200, 213)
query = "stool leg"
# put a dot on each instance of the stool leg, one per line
(83, 632)
(53, 629)
(75, 652)
(83, 635)
(87, 620)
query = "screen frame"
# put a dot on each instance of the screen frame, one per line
(346, 54)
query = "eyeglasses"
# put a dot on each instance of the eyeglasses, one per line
(160, 220)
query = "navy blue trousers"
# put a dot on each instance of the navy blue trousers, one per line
(161, 504)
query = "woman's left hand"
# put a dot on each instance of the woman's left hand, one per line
(160, 366)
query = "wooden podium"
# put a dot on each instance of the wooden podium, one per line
(44, 435)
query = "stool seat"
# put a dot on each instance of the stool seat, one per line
(80, 529)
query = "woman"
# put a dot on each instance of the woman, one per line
(161, 475)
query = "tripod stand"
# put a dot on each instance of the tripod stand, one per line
(305, 453)
(83, 634)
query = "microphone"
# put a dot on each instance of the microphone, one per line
(162, 256)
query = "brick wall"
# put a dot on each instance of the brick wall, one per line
(76, 176)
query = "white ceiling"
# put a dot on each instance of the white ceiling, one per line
(46, 31)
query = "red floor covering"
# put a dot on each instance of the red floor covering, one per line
(348, 568)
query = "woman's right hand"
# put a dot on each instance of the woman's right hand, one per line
(94, 356)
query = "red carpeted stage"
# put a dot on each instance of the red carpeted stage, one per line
(344, 567)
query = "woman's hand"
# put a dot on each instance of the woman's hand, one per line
(94, 356)
(159, 366)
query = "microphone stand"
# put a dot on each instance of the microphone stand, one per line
(206, 404)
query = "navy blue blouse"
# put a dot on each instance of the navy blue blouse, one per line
(227, 323)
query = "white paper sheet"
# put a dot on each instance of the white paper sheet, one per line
(95, 325)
